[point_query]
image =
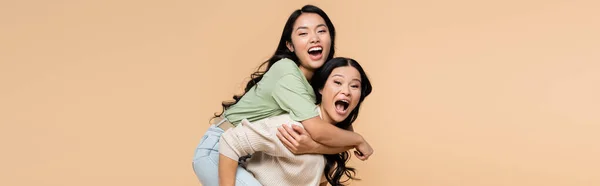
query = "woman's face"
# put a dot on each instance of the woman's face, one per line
(340, 94)
(311, 41)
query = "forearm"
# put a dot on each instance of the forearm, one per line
(324, 149)
(336, 137)
(330, 135)
(227, 170)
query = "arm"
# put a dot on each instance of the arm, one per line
(294, 97)
(322, 149)
(231, 147)
(260, 136)
(242, 140)
(330, 135)
(297, 140)
(327, 134)
(227, 170)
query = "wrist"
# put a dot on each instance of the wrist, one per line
(315, 148)
(359, 139)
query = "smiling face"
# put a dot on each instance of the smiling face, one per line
(311, 42)
(341, 94)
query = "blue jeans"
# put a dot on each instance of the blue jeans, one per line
(206, 161)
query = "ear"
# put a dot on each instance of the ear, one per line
(290, 46)
(321, 91)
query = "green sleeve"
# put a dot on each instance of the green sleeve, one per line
(295, 97)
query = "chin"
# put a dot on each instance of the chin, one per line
(339, 119)
(317, 64)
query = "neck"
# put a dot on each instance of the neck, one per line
(307, 73)
(325, 115)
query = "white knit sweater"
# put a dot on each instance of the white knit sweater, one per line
(271, 163)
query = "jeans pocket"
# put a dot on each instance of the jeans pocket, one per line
(207, 145)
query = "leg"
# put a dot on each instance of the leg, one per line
(206, 157)
(206, 162)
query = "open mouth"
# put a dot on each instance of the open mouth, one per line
(315, 52)
(342, 105)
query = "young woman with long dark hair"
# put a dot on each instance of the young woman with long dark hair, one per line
(282, 87)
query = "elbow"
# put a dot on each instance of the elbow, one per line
(321, 137)
(318, 130)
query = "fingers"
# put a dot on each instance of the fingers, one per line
(287, 135)
(285, 142)
(292, 132)
(299, 129)
(360, 156)
(359, 153)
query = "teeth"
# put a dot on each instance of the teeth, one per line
(315, 49)
(345, 101)
(344, 104)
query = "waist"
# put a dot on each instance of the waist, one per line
(223, 123)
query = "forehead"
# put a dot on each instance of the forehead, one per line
(308, 20)
(347, 72)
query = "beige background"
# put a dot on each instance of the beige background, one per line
(466, 93)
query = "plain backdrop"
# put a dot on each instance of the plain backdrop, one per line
(466, 92)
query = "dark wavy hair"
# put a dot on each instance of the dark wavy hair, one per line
(336, 167)
(283, 51)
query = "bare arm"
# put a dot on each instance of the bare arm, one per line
(227, 170)
(330, 135)
(297, 140)
(322, 149)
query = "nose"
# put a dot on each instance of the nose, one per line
(345, 90)
(315, 38)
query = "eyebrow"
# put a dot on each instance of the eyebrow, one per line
(304, 27)
(355, 79)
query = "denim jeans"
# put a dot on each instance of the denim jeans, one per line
(206, 161)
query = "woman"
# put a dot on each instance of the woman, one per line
(340, 86)
(306, 43)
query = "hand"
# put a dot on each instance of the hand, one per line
(296, 139)
(364, 150)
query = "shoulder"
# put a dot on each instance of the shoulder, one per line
(285, 66)
(282, 119)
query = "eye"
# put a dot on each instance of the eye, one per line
(355, 86)
(322, 31)
(302, 34)
(337, 82)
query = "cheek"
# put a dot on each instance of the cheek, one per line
(327, 88)
(327, 95)
(300, 42)
(326, 42)
(298, 54)
(355, 97)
